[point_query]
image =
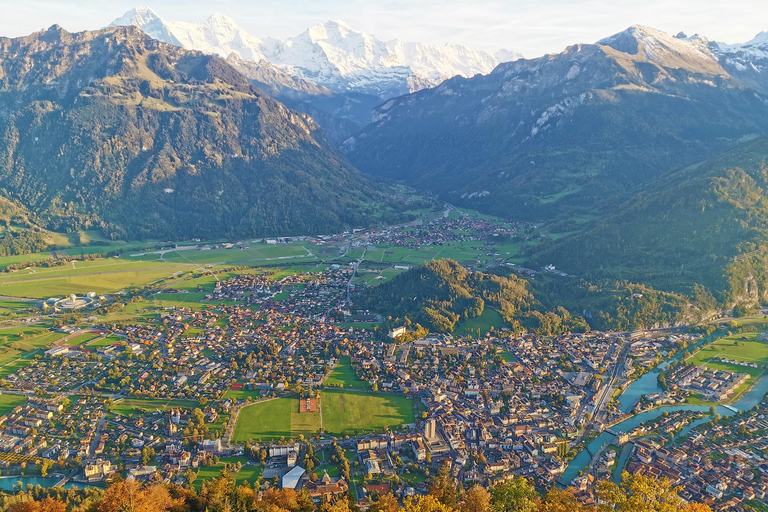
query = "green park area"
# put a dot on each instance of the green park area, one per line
(249, 473)
(481, 324)
(275, 419)
(343, 376)
(357, 412)
(739, 348)
(341, 412)
(128, 407)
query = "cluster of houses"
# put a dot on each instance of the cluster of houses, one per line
(722, 464)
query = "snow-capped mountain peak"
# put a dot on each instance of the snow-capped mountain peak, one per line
(331, 54)
(663, 48)
(148, 21)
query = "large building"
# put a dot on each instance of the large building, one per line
(292, 479)
(430, 429)
(327, 486)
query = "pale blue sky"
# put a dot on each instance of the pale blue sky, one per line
(532, 27)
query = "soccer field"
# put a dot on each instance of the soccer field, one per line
(343, 412)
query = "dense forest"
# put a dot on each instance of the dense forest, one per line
(706, 225)
(440, 295)
(633, 494)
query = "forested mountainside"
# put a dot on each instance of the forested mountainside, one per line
(113, 129)
(707, 224)
(538, 138)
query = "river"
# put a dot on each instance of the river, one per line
(647, 384)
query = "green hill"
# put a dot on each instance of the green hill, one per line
(707, 224)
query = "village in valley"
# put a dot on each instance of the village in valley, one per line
(251, 359)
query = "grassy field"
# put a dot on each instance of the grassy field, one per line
(82, 338)
(242, 394)
(483, 323)
(351, 412)
(343, 376)
(740, 347)
(275, 419)
(100, 276)
(14, 365)
(9, 402)
(256, 252)
(743, 347)
(343, 412)
(105, 341)
(247, 473)
(507, 357)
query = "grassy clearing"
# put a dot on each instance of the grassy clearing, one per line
(483, 323)
(9, 402)
(343, 376)
(357, 412)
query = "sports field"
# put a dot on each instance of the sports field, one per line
(275, 419)
(347, 412)
(343, 412)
